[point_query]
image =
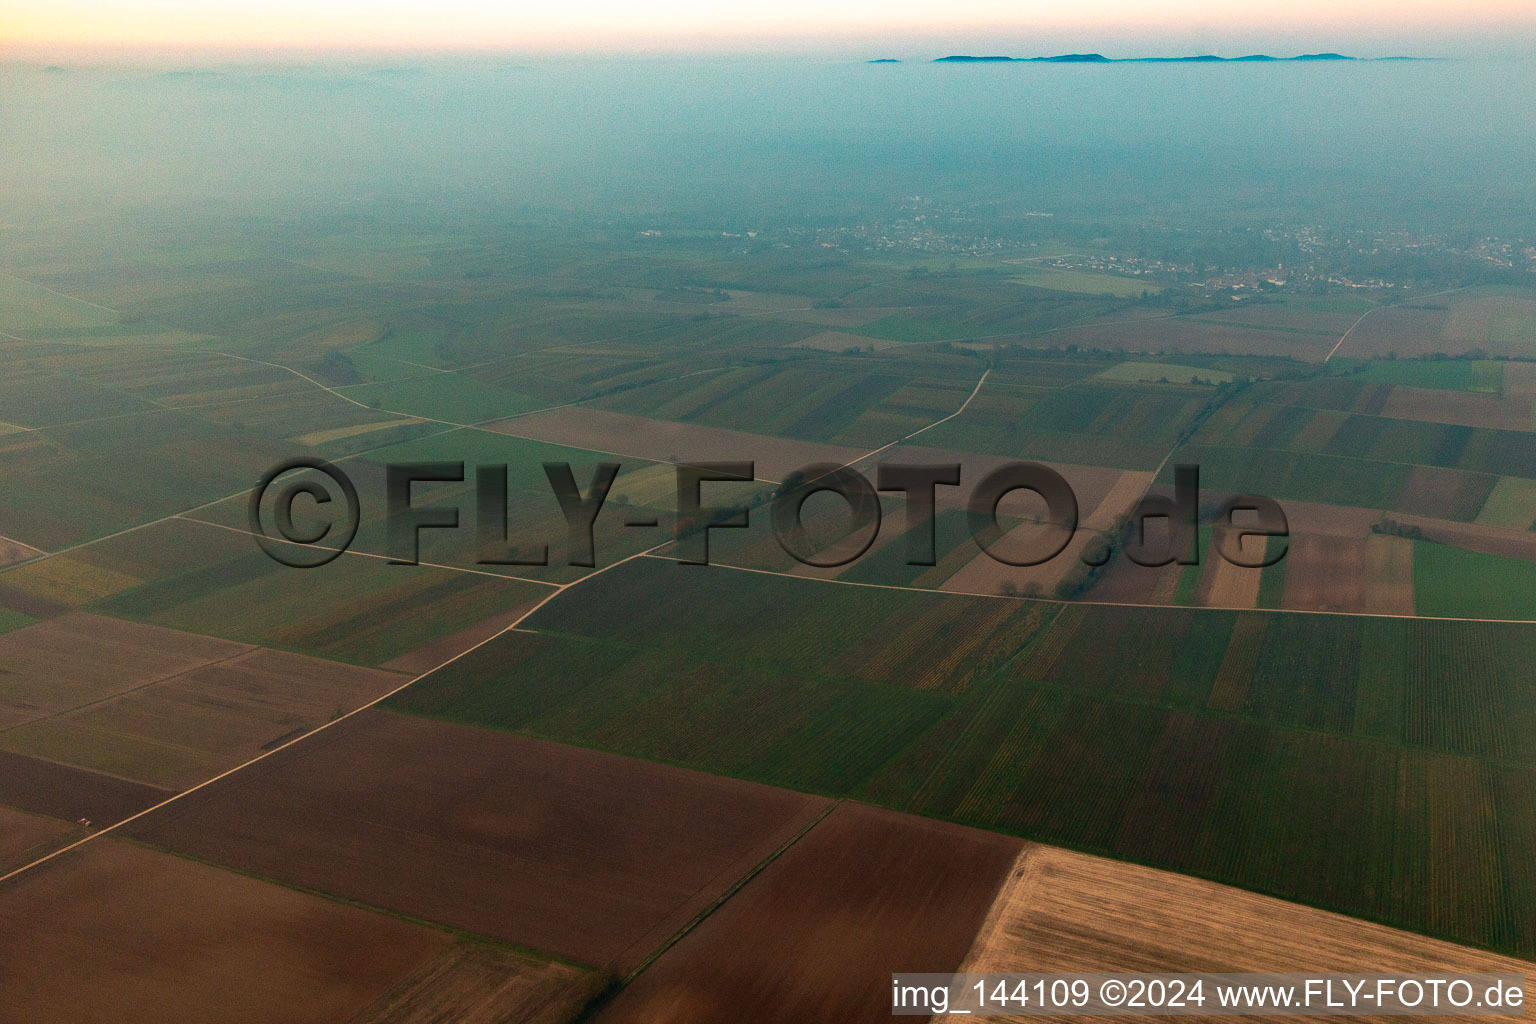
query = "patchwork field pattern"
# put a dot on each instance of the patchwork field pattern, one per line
(179, 731)
(198, 578)
(768, 790)
(1124, 425)
(78, 659)
(1224, 726)
(664, 441)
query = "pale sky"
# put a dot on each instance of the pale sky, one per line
(575, 25)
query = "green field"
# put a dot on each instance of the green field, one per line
(1468, 584)
(444, 396)
(1480, 375)
(1331, 432)
(1183, 738)
(10, 620)
(1511, 506)
(1320, 478)
(1128, 426)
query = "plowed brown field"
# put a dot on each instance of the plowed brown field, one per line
(69, 794)
(816, 936)
(593, 856)
(117, 934)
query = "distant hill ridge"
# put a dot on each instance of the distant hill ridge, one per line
(1099, 58)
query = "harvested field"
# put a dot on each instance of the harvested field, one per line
(472, 983)
(1329, 520)
(1224, 585)
(69, 581)
(25, 837)
(1325, 574)
(180, 731)
(648, 486)
(986, 575)
(1388, 575)
(318, 437)
(640, 437)
(816, 936)
(1502, 325)
(595, 857)
(1064, 912)
(1403, 331)
(70, 794)
(116, 933)
(1121, 500)
(74, 659)
(1520, 378)
(1511, 505)
(1459, 407)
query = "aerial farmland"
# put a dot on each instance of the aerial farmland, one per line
(612, 578)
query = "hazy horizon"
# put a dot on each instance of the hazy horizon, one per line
(843, 27)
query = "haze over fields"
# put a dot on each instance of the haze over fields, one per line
(516, 783)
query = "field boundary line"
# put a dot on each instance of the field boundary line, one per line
(364, 554)
(71, 298)
(1103, 604)
(736, 887)
(1343, 337)
(560, 589)
(1373, 309)
(963, 406)
(182, 513)
(1359, 458)
(109, 698)
(607, 451)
